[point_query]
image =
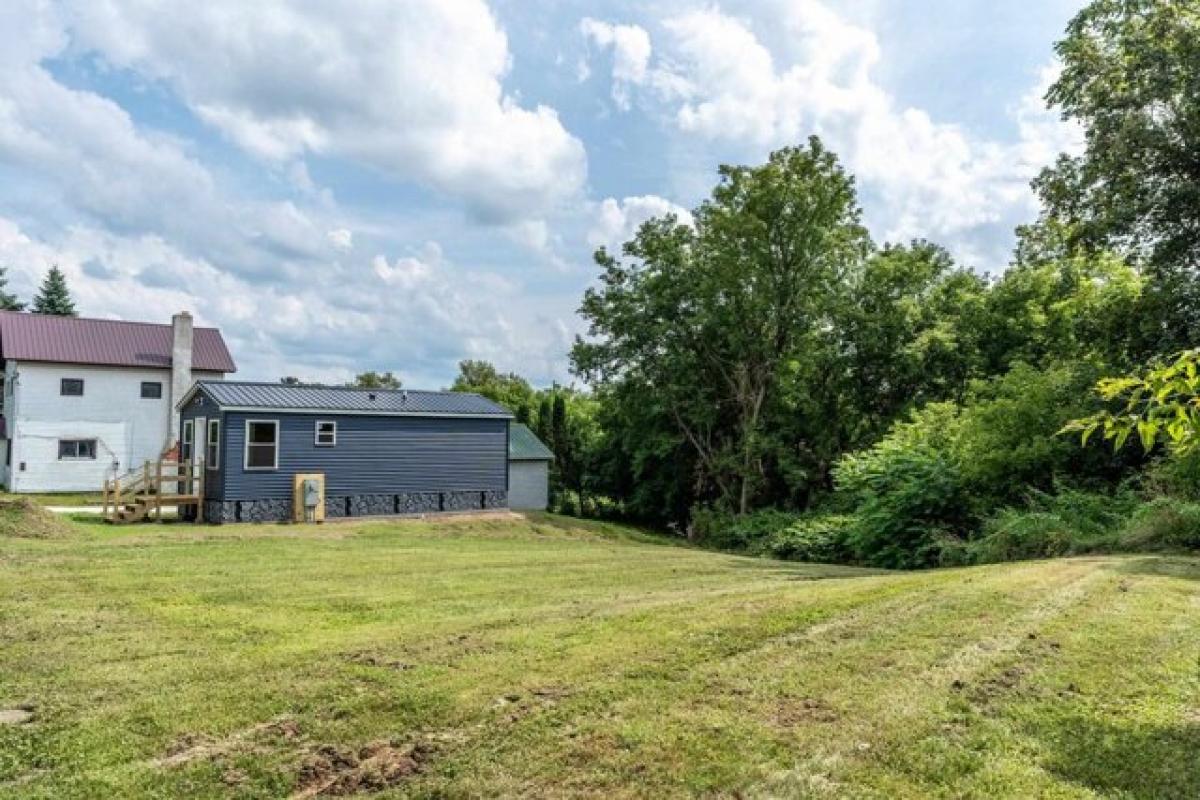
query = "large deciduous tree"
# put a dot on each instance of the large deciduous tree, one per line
(508, 389)
(1131, 77)
(705, 319)
(376, 380)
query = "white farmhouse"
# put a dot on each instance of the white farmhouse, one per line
(84, 399)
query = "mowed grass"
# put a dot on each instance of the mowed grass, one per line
(548, 657)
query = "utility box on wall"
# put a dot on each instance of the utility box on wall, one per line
(308, 497)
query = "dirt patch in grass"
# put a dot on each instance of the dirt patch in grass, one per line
(369, 659)
(22, 518)
(15, 716)
(515, 706)
(336, 772)
(791, 712)
(323, 770)
(197, 747)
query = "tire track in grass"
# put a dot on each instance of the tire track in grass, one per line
(912, 708)
(686, 693)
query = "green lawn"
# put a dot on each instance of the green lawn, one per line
(553, 658)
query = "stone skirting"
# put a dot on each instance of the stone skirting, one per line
(358, 505)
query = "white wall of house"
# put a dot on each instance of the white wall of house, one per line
(127, 428)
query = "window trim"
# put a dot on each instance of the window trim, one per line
(212, 445)
(246, 446)
(186, 441)
(62, 387)
(95, 447)
(144, 396)
(317, 433)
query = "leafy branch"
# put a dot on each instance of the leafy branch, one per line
(1161, 405)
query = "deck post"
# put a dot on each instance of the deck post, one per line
(104, 509)
(158, 483)
(116, 497)
(200, 494)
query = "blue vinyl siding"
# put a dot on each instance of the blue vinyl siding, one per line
(373, 455)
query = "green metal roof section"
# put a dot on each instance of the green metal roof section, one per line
(523, 445)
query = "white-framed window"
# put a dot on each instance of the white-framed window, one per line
(212, 455)
(326, 433)
(185, 445)
(262, 444)
(76, 449)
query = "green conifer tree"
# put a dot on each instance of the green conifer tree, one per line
(54, 297)
(8, 301)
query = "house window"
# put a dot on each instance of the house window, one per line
(262, 444)
(185, 447)
(326, 434)
(76, 449)
(71, 387)
(151, 390)
(213, 454)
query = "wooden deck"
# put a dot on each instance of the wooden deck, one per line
(140, 495)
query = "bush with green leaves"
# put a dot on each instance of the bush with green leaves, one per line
(725, 530)
(1163, 524)
(907, 491)
(1067, 522)
(823, 538)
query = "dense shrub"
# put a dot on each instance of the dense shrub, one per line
(907, 492)
(1163, 524)
(747, 533)
(1064, 523)
(1006, 440)
(816, 537)
(1176, 475)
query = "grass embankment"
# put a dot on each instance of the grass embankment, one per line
(63, 499)
(550, 657)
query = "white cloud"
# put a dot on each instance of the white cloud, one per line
(631, 54)
(341, 238)
(921, 177)
(616, 221)
(413, 89)
(416, 313)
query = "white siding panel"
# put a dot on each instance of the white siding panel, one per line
(528, 485)
(37, 448)
(129, 430)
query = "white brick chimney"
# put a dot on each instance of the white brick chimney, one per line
(181, 367)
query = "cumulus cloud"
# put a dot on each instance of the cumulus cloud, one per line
(417, 312)
(631, 54)
(616, 221)
(141, 220)
(923, 177)
(413, 89)
(90, 151)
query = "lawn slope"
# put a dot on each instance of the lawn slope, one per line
(549, 657)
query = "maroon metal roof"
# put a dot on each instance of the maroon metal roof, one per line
(107, 342)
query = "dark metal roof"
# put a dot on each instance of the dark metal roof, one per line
(524, 445)
(341, 399)
(106, 342)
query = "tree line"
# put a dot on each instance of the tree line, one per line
(53, 296)
(764, 376)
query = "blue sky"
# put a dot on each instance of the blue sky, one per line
(422, 181)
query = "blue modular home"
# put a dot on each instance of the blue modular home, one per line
(381, 451)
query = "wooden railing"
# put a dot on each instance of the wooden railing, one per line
(148, 489)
